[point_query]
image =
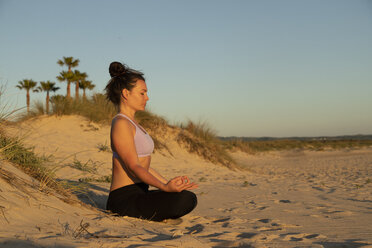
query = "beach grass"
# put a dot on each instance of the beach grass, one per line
(103, 147)
(24, 158)
(102, 179)
(201, 139)
(95, 108)
(13, 150)
(88, 166)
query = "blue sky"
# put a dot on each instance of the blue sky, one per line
(248, 68)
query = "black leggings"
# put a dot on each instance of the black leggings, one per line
(136, 200)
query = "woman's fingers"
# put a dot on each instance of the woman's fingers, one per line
(193, 186)
(189, 186)
(180, 183)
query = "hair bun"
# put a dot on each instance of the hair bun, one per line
(117, 69)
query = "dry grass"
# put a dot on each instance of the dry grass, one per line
(151, 121)
(96, 108)
(7, 112)
(88, 166)
(24, 158)
(157, 126)
(253, 147)
(12, 150)
(102, 179)
(199, 138)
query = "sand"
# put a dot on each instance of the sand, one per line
(280, 199)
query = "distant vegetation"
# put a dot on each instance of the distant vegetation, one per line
(255, 146)
(69, 76)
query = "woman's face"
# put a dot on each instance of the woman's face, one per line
(137, 97)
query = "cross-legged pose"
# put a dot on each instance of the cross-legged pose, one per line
(132, 147)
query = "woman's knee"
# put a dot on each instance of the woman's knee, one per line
(190, 198)
(186, 202)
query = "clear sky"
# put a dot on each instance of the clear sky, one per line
(248, 68)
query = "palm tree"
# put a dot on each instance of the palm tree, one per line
(67, 76)
(70, 62)
(85, 84)
(27, 84)
(47, 86)
(78, 77)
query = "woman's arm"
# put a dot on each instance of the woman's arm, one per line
(158, 176)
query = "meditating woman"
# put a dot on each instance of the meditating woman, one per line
(132, 147)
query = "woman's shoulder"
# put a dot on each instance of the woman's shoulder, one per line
(122, 124)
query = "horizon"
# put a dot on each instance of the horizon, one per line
(248, 69)
(367, 136)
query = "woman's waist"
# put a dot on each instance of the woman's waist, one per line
(122, 181)
(122, 176)
(138, 187)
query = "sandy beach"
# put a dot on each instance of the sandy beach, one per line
(280, 199)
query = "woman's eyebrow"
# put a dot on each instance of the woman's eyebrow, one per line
(144, 90)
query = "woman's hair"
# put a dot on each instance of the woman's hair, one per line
(122, 77)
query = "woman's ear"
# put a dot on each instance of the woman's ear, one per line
(125, 93)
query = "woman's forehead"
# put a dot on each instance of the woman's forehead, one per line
(140, 85)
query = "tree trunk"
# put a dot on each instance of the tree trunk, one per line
(68, 89)
(77, 90)
(47, 103)
(28, 101)
(84, 96)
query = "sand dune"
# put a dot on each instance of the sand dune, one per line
(282, 199)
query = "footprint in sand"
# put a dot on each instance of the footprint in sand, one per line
(231, 239)
(265, 225)
(213, 235)
(253, 205)
(230, 210)
(224, 221)
(264, 220)
(300, 236)
(221, 220)
(195, 229)
(246, 235)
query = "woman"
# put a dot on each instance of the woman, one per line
(132, 148)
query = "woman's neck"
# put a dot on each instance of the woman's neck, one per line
(127, 111)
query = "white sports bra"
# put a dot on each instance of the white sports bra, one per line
(142, 140)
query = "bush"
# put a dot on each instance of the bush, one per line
(97, 108)
(201, 139)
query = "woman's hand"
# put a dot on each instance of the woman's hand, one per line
(178, 184)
